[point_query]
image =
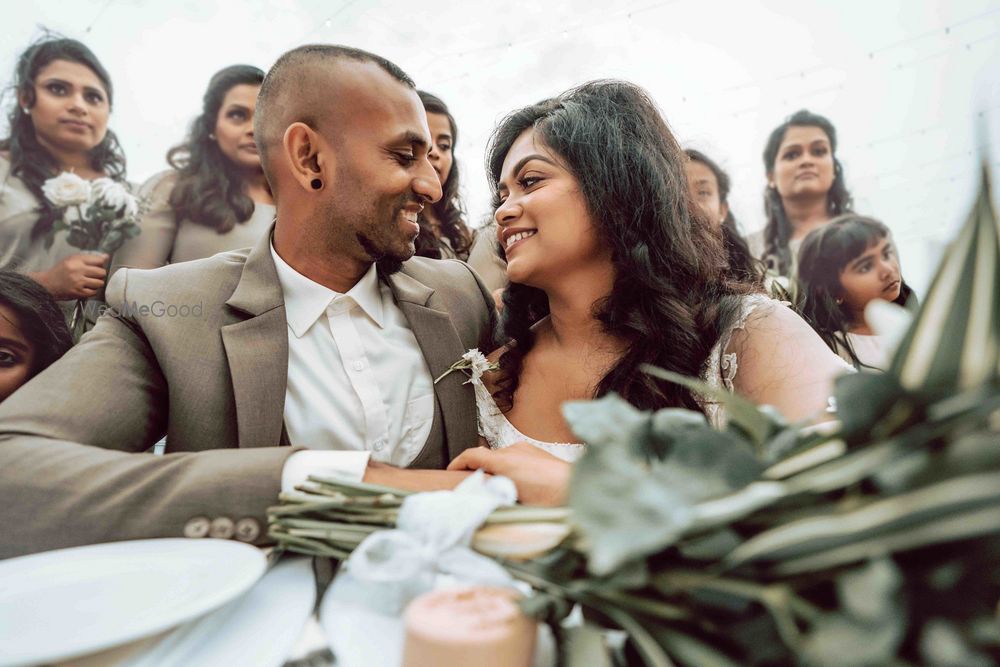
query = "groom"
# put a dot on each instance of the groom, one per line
(325, 336)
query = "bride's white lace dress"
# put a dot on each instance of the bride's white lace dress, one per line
(721, 370)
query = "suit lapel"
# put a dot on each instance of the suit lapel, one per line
(257, 350)
(442, 347)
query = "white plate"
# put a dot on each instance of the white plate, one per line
(61, 604)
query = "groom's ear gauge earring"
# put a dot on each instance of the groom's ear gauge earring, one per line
(316, 184)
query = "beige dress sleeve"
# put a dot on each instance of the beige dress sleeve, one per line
(485, 261)
(18, 215)
(152, 247)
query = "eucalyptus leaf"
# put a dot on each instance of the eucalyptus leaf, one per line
(942, 644)
(545, 607)
(743, 415)
(627, 510)
(607, 423)
(585, 647)
(689, 650)
(701, 462)
(623, 512)
(866, 400)
(869, 593)
(836, 640)
(712, 546)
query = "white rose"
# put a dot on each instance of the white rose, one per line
(111, 194)
(131, 206)
(66, 189)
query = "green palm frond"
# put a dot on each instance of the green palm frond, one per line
(954, 343)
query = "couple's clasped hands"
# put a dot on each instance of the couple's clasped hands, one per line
(540, 477)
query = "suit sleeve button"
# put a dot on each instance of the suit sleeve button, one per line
(247, 529)
(197, 527)
(222, 528)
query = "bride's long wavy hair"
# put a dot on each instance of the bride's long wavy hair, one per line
(210, 189)
(671, 297)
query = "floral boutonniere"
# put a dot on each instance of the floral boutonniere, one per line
(473, 363)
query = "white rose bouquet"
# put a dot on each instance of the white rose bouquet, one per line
(97, 216)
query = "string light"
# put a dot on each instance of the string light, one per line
(100, 12)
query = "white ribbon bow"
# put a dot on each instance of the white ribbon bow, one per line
(428, 549)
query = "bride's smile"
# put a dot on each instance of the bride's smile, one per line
(543, 222)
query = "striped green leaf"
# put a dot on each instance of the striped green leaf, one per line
(954, 343)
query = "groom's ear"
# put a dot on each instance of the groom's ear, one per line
(310, 158)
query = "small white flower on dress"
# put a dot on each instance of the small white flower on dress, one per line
(473, 363)
(67, 189)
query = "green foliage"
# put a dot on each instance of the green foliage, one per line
(634, 489)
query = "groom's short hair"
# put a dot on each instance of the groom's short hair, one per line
(288, 93)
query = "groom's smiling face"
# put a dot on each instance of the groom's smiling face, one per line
(382, 177)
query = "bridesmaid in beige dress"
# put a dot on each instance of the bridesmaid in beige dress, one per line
(805, 189)
(58, 123)
(443, 232)
(215, 197)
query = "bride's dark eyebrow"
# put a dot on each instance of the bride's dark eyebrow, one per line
(525, 160)
(501, 187)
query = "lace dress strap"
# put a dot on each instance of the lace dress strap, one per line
(722, 367)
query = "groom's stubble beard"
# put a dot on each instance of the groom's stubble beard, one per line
(383, 240)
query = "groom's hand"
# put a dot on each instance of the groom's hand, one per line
(541, 479)
(412, 480)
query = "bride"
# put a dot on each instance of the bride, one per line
(612, 266)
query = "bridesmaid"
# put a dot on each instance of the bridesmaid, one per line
(805, 188)
(59, 123)
(215, 197)
(443, 232)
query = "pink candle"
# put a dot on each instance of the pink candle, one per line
(479, 626)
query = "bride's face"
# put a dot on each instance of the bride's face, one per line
(543, 222)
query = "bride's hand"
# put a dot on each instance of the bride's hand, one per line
(540, 477)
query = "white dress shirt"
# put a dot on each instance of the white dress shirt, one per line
(358, 384)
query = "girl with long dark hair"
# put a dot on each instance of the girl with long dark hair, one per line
(708, 185)
(33, 332)
(443, 232)
(215, 197)
(612, 266)
(59, 123)
(844, 266)
(805, 188)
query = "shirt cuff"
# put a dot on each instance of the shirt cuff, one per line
(349, 465)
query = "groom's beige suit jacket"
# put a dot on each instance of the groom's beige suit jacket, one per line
(72, 441)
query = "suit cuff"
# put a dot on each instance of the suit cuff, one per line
(349, 465)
